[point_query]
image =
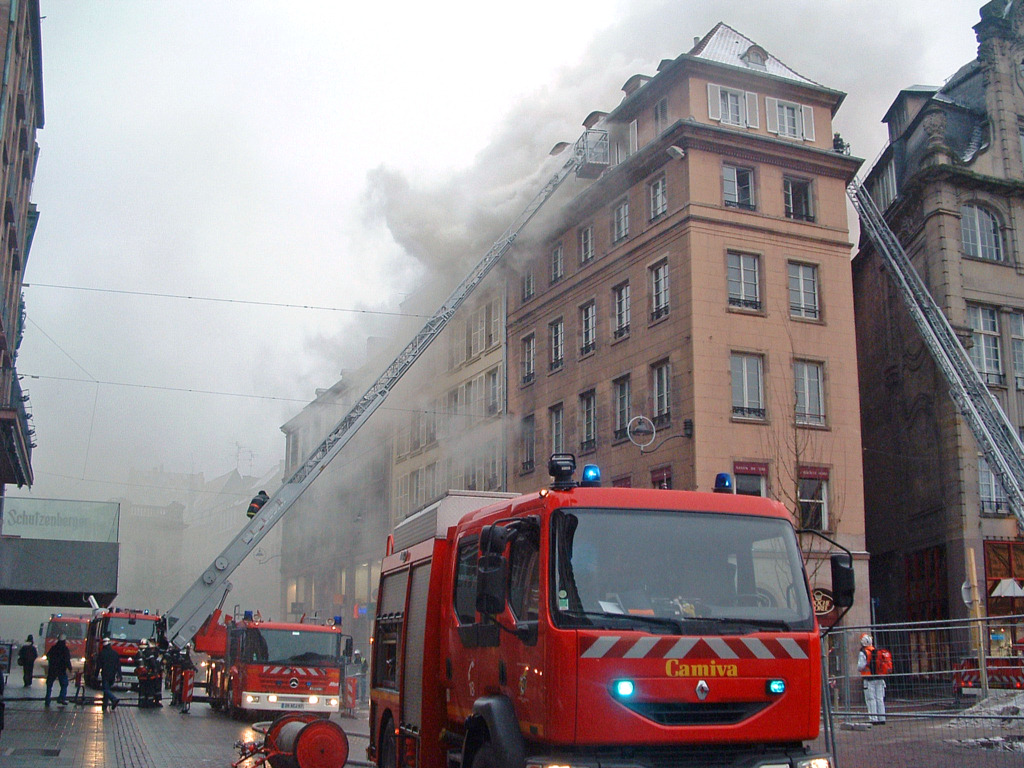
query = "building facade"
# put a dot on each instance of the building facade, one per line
(951, 185)
(703, 284)
(21, 115)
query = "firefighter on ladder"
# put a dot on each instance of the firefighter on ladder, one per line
(874, 684)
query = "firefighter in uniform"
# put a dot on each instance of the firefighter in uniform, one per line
(874, 684)
(150, 675)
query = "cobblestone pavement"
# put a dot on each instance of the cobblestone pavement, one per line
(82, 736)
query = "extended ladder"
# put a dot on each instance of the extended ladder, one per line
(589, 157)
(997, 438)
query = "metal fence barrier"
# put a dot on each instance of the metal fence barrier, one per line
(955, 696)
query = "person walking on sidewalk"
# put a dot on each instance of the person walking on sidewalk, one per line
(27, 656)
(59, 658)
(110, 670)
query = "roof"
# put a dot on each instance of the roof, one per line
(725, 45)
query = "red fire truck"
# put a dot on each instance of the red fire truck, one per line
(73, 626)
(126, 628)
(271, 666)
(597, 626)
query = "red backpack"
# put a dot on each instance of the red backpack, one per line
(880, 662)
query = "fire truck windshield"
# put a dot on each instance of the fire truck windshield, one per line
(132, 630)
(677, 572)
(290, 646)
(73, 629)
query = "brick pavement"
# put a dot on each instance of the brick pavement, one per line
(82, 736)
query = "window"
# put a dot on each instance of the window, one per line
(810, 401)
(493, 382)
(465, 581)
(557, 264)
(979, 230)
(620, 296)
(659, 290)
(528, 287)
(1017, 341)
(990, 490)
(803, 291)
(620, 220)
(588, 328)
(620, 403)
(659, 197)
(660, 116)
(747, 386)
(744, 281)
(528, 435)
(586, 244)
(524, 578)
(588, 421)
(984, 322)
(813, 498)
(529, 358)
(883, 188)
(634, 137)
(662, 478)
(796, 194)
(745, 484)
(661, 394)
(556, 428)
(738, 187)
(732, 107)
(789, 120)
(556, 342)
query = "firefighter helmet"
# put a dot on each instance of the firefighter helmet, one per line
(865, 639)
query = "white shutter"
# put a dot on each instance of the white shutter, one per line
(752, 116)
(771, 114)
(634, 141)
(714, 101)
(808, 122)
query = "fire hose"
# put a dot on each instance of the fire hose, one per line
(296, 741)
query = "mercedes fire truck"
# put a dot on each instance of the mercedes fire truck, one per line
(589, 626)
(260, 666)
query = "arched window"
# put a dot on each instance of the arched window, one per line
(979, 229)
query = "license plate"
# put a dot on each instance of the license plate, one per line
(289, 705)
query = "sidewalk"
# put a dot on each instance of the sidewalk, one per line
(82, 736)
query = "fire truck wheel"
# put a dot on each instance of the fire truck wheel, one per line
(485, 757)
(388, 749)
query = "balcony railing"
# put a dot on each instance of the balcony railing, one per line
(736, 301)
(587, 446)
(744, 412)
(659, 312)
(621, 331)
(586, 349)
(662, 419)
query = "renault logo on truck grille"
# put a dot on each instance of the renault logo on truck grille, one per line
(703, 689)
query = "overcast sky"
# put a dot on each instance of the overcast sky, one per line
(329, 154)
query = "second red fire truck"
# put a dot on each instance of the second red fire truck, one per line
(126, 628)
(258, 666)
(588, 626)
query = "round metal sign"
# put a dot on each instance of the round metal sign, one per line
(640, 431)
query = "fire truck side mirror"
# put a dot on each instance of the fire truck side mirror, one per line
(842, 580)
(493, 539)
(490, 584)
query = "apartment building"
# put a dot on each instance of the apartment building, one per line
(700, 289)
(21, 115)
(950, 184)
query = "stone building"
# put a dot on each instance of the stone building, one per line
(951, 185)
(702, 282)
(21, 115)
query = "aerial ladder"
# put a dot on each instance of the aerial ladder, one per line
(589, 157)
(997, 438)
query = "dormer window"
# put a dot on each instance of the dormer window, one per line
(756, 58)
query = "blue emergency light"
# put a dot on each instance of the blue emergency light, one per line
(723, 483)
(591, 476)
(623, 688)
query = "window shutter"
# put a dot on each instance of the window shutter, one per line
(752, 116)
(808, 123)
(714, 102)
(634, 141)
(771, 114)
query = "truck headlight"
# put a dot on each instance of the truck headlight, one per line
(815, 762)
(316, 699)
(334, 702)
(272, 698)
(250, 699)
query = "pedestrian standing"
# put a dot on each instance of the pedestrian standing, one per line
(27, 656)
(874, 683)
(59, 660)
(109, 662)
